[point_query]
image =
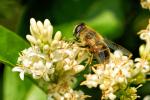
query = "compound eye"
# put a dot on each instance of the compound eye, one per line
(78, 29)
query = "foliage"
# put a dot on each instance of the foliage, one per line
(118, 20)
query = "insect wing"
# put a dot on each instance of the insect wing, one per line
(115, 46)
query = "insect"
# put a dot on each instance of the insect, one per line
(97, 45)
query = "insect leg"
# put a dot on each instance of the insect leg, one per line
(90, 60)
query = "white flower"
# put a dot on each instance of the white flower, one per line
(19, 69)
(42, 32)
(146, 97)
(111, 76)
(91, 81)
(69, 94)
(78, 68)
(111, 96)
(145, 4)
(46, 55)
(142, 65)
(51, 60)
(145, 48)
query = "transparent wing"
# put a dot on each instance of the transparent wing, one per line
(115, 46)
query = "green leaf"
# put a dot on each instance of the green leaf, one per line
(16, 89)
(10, 46)
(36, 93)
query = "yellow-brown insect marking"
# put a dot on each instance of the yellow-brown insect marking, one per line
(96, 44)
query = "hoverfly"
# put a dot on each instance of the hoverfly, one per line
(96, 44)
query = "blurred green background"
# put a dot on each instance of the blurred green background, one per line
(117, 20)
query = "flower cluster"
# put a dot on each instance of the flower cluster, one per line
(62, 92)
(145, 49)
(116, 77)
(56, 62)
(145, 4)
(111, 77)
(51, 59)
